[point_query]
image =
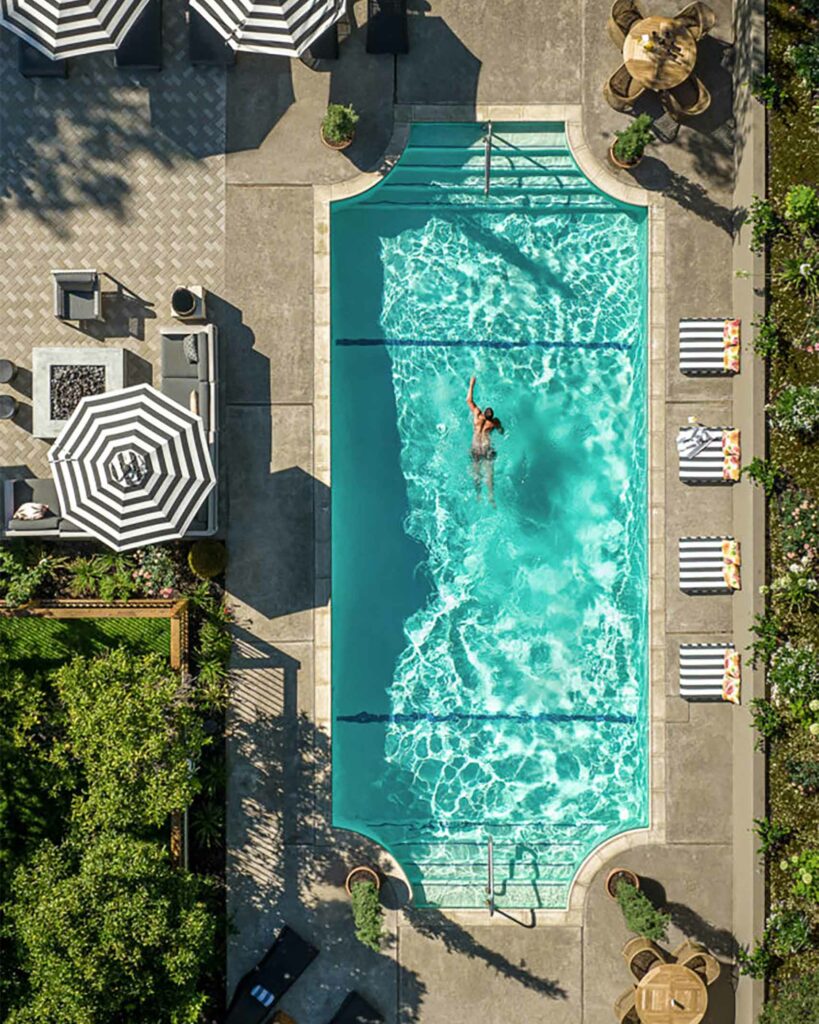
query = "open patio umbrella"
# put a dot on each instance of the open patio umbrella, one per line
(69, 28)
(132, 467)
(284, 29)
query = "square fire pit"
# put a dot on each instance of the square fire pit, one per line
(63, 376)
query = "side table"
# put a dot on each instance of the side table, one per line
(8, 407)
(8, 371)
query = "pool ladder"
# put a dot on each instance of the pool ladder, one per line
(487, 160)
(490, 881)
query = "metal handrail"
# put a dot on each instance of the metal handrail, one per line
(487, 159)
(490, 883)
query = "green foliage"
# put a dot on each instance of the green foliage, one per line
(105, 931)
(767, 89)
(795, 411)
(757, 963)
(797, 525)
(207, 558)
(769, 340)
(795, 589)
(25, 573)
(338, 124)
(640, 914)
(763, 473)
(765, 224)
(771, 835)
(767, 630)
(156, 572)
(787, 932)
(631, 143)
(767, 720)
(803, 775)
(799, 274)
(134, 737)
(367, 914)
(208, 822)
(803, 871)
(802, 207)
(804, 58)
(795, 1001)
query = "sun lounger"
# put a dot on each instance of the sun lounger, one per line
(141, 49)
(703, 345)
(260, 989)
(387, 26)
(33, 64)
(708, 455)
(356, 1010)
(707, 674)
(709, 565)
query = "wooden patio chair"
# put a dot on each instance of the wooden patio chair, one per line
(622, 90)
(641, 955)
(698, 959)
(688, 99)
(698, 18)
(625, 1008)
(623, 15)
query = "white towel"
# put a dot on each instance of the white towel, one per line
(692, 440)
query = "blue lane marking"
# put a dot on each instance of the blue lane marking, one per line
(603, 346)
(368, 718)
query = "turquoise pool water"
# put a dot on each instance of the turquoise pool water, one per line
(489, 661)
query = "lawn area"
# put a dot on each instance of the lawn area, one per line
(32, 642)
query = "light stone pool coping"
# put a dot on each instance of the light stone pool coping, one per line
(607, 181)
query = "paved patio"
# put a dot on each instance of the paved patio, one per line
(202, 177)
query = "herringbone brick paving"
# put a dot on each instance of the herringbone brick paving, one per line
(121, 171)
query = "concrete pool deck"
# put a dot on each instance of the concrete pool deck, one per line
(93, 169)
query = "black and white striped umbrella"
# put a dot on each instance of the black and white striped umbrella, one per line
(69, 28)
(132, 467)
(284, 29)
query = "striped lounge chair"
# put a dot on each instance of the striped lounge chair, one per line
(702, 347)
(702, 566)
(708, 464)
(702, 670)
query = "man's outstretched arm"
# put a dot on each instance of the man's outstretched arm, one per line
(470, 401)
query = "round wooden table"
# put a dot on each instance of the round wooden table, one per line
(671, 994)
(671, 55)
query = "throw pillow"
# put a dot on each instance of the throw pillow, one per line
(190, 348)
(31, 510)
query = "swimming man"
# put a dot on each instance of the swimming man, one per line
(482, 452)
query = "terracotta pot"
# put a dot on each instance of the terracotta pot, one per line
(619, 163)
(615, 875)
(336, 145)
(361, 874)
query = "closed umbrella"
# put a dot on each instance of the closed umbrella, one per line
(69, 28)
(284, 29)
(132, 467)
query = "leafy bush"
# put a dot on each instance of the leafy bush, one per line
(156, 573)
(799, 274)
(794, 672)
(640, 914)
(765, 224)
(208, 821)
(771, 835)
(769, 340)
(767, 630)
(631, 143)
(207, 558)
(804, 58)
(767, 90)
(763, 473)
(338, 124)
(133, 735)
(107, 930)
(24, 574)
(796, 589)
(795, 1001)
(795, 410)
(767, 720)
(802, 207)
(797, 527)
(803, 870)
(759, 963)
(367, 913)
(803, 775)
(788, 932)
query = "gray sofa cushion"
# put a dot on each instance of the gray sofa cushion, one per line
(174, 361)
(43, 492)
(34, 525)
(179, 389)
(204, 406)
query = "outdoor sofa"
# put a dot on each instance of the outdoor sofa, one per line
(42, 492)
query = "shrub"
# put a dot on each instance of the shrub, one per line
(208, 821)
(799, 274)
(795, 410)
(24, 576)
(107, 930)
(804, 58)
(769, 341)
(803, 775)
(338, 124)
(787, 932)
(803, 869)
(763, 473)
(797, 528)
(795, 1001)
(367, 914)
(767, 630)
(794, 672)
(640, 914)
(631, 143)
(767, 720)
(759, 963)
(796, 589)
(765, 224)
(115, 575)
(767, 90)
(802, 207)
(156, 573)
(771, 835)
(207, 559)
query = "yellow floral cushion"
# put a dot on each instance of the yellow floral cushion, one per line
(731, 562)
(730, 455)
(730, 345)
(731, 676)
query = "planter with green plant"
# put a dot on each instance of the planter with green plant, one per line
(617, 875)
(363, 885)
(627, 149)
(640, 914)
(338, 126)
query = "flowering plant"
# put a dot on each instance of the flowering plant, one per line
(795, 410)
(156, 572)
(798, 524)
(803, 869)
(796, 586)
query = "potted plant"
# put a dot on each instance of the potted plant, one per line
(617, 875)
(627, 149)
(363, 885)
(640, 914)
(338, 126)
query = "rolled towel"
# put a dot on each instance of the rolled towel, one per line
(692, 440)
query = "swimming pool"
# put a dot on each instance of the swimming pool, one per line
(489, 661)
